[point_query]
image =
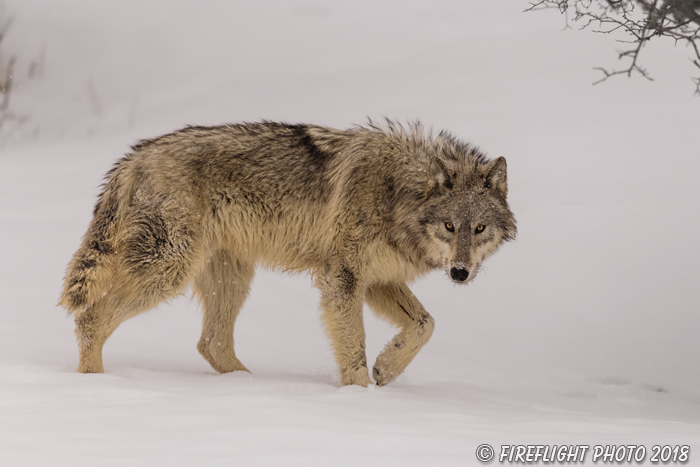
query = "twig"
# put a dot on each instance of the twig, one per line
(7, 87)
(94, 98)
(5, 27)
(678, 20)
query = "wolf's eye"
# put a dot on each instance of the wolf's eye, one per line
(449, 226)
(480, 228)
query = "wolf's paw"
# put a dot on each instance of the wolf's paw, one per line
(222, 359)
(388, 366)
(90, 367)
(361, 378)
(383, 375)
(229, 366)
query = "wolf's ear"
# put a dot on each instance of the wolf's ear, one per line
(496, 177)
(438, 175)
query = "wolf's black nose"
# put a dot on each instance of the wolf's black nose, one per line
(460, 275)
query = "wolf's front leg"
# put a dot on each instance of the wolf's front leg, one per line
(397, 304)
(342, 313)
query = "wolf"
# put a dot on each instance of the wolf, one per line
(364, 211)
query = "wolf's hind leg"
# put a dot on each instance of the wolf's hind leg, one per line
(156, 264)
(222, 287)
(396, 303)
(92, 330)
(97, 322)
(94, 325)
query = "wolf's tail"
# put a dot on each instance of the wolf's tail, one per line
(89, 273)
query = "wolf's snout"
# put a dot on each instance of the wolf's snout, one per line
(460, 275)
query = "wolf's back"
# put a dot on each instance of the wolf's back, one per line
(89, 274)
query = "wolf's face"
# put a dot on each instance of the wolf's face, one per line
(466, 216)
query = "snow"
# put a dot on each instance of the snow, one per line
(582, 331)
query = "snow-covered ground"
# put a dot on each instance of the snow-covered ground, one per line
(583, 331)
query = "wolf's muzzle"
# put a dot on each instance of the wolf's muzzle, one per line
(460, 275)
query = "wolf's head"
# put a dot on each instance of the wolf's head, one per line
(465, 214)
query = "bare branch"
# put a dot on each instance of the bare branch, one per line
(5, 27)
(640, 20)
(7, 86)
(94, 98)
